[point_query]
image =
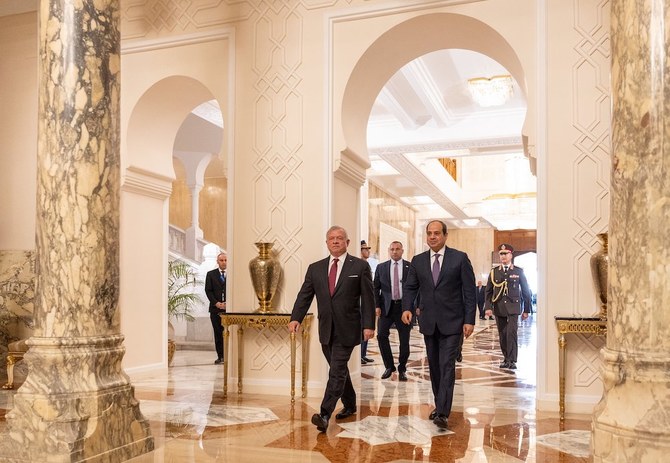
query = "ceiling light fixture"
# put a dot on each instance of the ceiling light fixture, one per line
(493, 91)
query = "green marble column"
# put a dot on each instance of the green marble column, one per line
(77, 403)
(632, 421)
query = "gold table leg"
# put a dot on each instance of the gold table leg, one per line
(240, 356)
(226, 333)
(292, 336)
(305, 339)
(561, 375)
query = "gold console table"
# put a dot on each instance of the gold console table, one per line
(573, 325)
(260, 321)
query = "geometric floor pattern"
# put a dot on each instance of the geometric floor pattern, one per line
(493, 418)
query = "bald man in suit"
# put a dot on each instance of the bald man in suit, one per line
(342, 285)
(444, 280)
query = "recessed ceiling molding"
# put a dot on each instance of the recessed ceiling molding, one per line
(429, 93)
(390, 102)
(414, 175)
(501, 145)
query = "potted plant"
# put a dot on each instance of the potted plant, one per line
(182, 298)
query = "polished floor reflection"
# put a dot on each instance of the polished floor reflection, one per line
(493, 420)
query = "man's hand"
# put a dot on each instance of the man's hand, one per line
(378, 311)
(406, 317)
(489, 313)
(468, 330)
(368, 334)
(524, 315)
(293, 326)
(220, 305)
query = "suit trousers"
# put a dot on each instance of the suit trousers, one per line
(383, 330)
(339, 382)
(507, 332)
(442, 350)
(218, 333)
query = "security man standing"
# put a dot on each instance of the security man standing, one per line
(507, 296)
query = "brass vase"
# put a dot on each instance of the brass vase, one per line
(599, 265)
(265, 271)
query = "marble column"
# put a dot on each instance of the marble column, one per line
(77, 403)
(632, 420)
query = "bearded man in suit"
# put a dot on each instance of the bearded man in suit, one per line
(215, 289)
(342, 285)
(444, 280)
(389, 278)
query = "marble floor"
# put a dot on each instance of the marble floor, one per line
(493, 419)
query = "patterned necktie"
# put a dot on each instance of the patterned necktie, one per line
(332, 276)
(396, 282)
(222, 277)
(436, 268)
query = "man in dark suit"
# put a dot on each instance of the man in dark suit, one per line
(342, 285)
(481, 297)
(444, 280)
(389, 278)
(508, 296)
(215, 289)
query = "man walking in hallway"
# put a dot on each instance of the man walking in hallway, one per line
(481, 298)
(508, 296)
(215, 289)
(444, 280)
(342, 285)
(365, 255)
(389, 278)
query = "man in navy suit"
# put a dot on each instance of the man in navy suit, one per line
(389, 278)
(444, 280)
(342, 285)
(481, 298)
(215, 289)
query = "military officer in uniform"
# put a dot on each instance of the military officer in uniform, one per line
(507, 296)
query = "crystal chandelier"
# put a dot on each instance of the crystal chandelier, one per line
(493, 91)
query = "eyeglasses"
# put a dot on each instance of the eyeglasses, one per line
(502, 253)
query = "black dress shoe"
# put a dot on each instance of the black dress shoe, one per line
(367, 360)
(320, 421)
(432, 415)
(459, 357)
(345, 413)
(387, 373)
(511, 366)
(218, 361)
(402, 376)
(363, 361)
(491, 318)
(504, 365)
(441, 421)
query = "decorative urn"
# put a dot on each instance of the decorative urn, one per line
(265, 271)
(599, 265)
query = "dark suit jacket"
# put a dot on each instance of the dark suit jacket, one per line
(518, 295)
(215, 289)
(351, 308)
(481, 296)
(452, 302)
(383, 285)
